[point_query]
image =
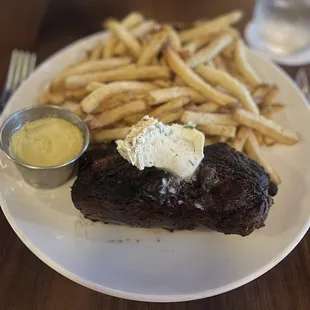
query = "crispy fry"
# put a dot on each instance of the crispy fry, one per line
(153, 48)
(48, 97)
(76, 94)
(114, 101)
(134, 118)
(158, 96)
(204, 107)
(219, 63)
(118, 113)
(259, 136)
(93, 100)
(131, 72)
(192, 79)
(190, 48)
(266, 126)
(241, 137)
(125, 36)
(93, 86)
(267, 111)
(95, 52)
(178, 81)
(212, 26)
(139, 31)
(89, 67)
(106, 135)
(253, 151)
(199, 118)
(269, 141)
(171, 117)
(162, 83)
(44, 97)
(223, 79)
(227, 131)
(173, 37)
(174, 104)
(270, 95)
(210, 51)
(243, 66)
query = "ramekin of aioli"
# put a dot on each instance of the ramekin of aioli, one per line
(44, 142)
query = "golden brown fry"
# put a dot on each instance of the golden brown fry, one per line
(171, 117)
(259, 136)
(192, 79)
(241, 137)
(174, 104)
(210, 51)
(158, 96)
(267, 111)
(162, 83)
(220, 64)
(125, 36)
(93, 86)
(131, 72)
(134, 118)
(139, 31)
(253, 151)
(270, 95)
(153, 48)
(173, 37)
(212, 26)
(109, 117)
(89, 67)
(109, 47)
(76, 94)
(114, 101)
(190, 48)
(106, 135)
(204, 107)
(44, 97)
(93, 100)
(224, 80)
(243, 66)
(266, 126)
(228, 131)
(199, 118)
(95, 53)
(178, 81)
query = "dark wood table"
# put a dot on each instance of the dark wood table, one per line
(26, 283)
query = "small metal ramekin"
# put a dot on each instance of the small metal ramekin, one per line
(42, 177)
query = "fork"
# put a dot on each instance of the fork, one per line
(22, 63)
(302, 81)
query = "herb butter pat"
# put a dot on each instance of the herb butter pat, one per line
(175, 148)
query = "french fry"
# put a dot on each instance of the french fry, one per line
(192, 79)
(153, 48)
(174, 104)
(131, 72)
(118, 113)
(89, 66)
(219, 63)
(106, 135)
(210, 51)
(266, 126)
(223, 79)
(212, 26)
(269, 141)
(253, 151)
(139, 31)
(93, 86)
(199, 118)
(134, 118)
(76, 94)
(93, 100)
(125, 36)
(131, 19)
(270, 95)
(191, 47)
(44, 97)
(259, 136)
(209, 141)
(162, 83)
(243, 66)
(173, 37)
(114, 101)
(95, 52)
(227, 131)
(171, 117)
(267, 111)
(178, 81)
(240, 139)
(158, 96)
(204, 107)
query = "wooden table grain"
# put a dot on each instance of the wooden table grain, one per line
(26, 283)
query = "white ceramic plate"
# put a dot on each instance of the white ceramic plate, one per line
(155, 265)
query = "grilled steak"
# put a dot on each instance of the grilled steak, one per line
(229, 192)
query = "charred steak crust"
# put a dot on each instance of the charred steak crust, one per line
(228, 193)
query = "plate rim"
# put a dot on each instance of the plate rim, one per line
(144, 297)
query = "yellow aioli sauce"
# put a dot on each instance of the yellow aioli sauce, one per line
(47, 142)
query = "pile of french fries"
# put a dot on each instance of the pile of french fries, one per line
(197, 75)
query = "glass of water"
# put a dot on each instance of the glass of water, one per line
(283, 25)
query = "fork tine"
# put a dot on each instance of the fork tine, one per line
(25, 66)
(11, 72)
(18, 71)
(32, 63)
